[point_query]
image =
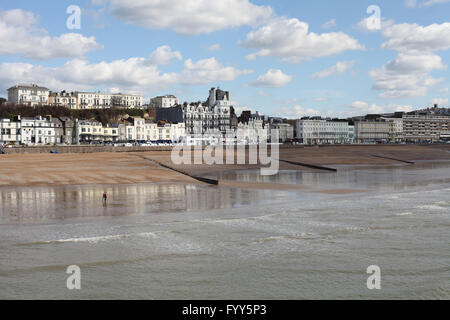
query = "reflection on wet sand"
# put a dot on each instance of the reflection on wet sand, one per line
(348, 178)
(26, 205)
(237, 188)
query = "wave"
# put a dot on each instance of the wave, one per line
(98, 239)
(431, 207)
(404, 214)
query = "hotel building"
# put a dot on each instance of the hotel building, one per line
(30, 95)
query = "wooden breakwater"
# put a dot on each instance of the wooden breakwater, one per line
(201, 179)
(312, 166)
(394, 159)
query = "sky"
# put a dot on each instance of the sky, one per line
(282, 58)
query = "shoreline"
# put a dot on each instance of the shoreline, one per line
(115, 168)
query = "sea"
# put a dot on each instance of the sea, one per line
(192, 241)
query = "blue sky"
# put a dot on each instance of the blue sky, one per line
(285, 58)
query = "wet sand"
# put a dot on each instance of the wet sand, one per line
(130, 168)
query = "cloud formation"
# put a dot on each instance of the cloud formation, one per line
(21, 35)
(291, 40)
(274, 78)
(339, 68)
(189, 17)
(357, 108)
(409, 74)
(138, 74)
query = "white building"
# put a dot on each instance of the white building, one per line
(396, 129)
(36, 131)
(351, 134)
(63, 99)
(285, 131)
(373, 131)
(135, 129)
(320, 131)
(253, 132)
(10, 132)
(31, 95)
(99, 100)
(166, 101)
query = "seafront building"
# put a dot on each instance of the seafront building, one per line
(421, 128)
(204, 122)
(285, 131)
(10, 132)
(322, 131)
(167, 101)
(99, 100)
(373, 131)
(38, 130)
(252, 131)
(63, 99)
(31, 95)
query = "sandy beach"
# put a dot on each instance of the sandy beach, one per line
(138, 167)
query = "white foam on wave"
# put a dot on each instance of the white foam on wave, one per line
(104, 238)
(431, 207)
(404, 214)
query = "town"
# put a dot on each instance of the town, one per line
(165, 121)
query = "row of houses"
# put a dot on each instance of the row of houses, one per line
(50, 131)
(204, 123)
(412, 128)
(33, 95)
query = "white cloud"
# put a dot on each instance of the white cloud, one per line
(164, 55)
(409, 75)
(321, 99)
(208, 71)
(413, 38)
(339, 68)
(329, 24)
(410, 3)
(429, 3)
(444, 90)
(362, 108)
(19, 34)
(291, 40)
(274, 78)
(297, 112)
(214, 47)
(135, 74)
(440, 101)
(189, 17)
(263, 93)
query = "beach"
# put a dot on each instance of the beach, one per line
(138, 167)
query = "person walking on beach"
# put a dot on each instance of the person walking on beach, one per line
(105, 198)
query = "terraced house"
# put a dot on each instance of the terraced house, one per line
(10, 132)
(37, 131)
(95, 132)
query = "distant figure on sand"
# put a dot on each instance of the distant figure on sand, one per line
(105, 198)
